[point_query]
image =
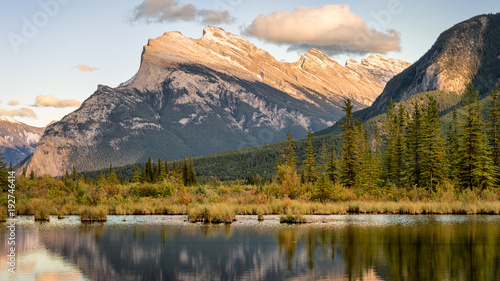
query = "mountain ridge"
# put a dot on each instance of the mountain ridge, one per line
(193, 97)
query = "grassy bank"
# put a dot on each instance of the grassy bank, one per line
(220, 202)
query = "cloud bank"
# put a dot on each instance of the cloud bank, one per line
(51, 101)
(155, 11)
(85, 68)
(22, 112)
(13, 103)
(333, 29)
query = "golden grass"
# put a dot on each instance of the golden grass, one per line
(94, 214)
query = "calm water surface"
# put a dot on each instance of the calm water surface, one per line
(371, 247)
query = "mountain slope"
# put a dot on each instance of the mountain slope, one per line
(17, 140)
(193, 97)
(467, 52)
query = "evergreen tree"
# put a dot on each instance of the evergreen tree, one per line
(324, 189)
(494, 130)
(287, 155)
(389, 164)
(400, 148)
(415, 148)
(137, 175)
(370, 166)
(332, 166)
(148, 171)
(433, 164)
(476, 166)
(161, 171)
(453, 147)
(349, 162)
(32, 175)
(310, 171)
(166, 167)
(112, 179)
(323, 158)
(74, 175)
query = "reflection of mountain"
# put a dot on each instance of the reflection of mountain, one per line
(408, 248)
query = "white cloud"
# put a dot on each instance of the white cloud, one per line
(22, 112)
(172, 10)
(85, 68)
(333, 29)
(51, 101)
(13, 103)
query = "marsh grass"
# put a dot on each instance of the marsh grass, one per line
(216, 213)
(94, 214)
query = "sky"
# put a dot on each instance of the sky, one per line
(54, 53)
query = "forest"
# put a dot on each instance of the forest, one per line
(404, 165)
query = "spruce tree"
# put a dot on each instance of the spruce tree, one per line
(112, 179)
(453, 148)
(349, 161)
(74, 175)
(161, 171)
(476, 166)
(433, 165)
(400, 147)
(287, 155)
(310, 165)
(149, 175)
(332, 169)
(389, 162)
(192, 173)
(415, 148)
(494, 131)
(323, 158)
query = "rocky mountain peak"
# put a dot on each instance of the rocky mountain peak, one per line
(193, 97)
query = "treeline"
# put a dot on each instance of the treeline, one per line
(408, 151)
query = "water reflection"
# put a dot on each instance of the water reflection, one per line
(344, 248)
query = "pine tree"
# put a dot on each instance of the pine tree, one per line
(324, 190)
(310, 171)
(370, 166)
(349, 161)
(453, 147)
(415, 148)
(433, 165)
(476, 166)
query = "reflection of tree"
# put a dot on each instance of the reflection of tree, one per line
(287, 241)
(426, 249)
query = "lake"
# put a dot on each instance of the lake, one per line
(344, 247)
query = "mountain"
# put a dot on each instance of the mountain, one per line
(194, 97)
(17, 140)
(468, 52)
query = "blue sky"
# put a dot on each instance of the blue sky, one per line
(45, 51)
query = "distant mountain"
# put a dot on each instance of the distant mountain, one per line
(194, 97)
(467, 52)
(17, 140)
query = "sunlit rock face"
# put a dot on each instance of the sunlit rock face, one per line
(466, 53)
(193, 97)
